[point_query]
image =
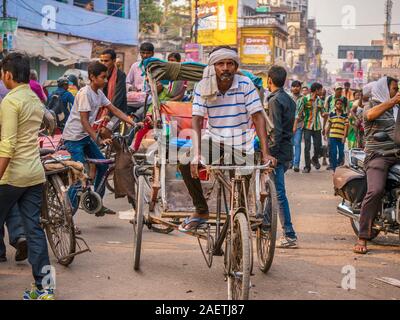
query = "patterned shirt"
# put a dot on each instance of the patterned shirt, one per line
(330, 104)
(385, 123)
(311, 112)
(338, 125)
(229, 116)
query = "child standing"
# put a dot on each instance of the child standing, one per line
(338, 126)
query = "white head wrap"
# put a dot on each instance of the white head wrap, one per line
(367, 90)
(380, 91)
(208, 87)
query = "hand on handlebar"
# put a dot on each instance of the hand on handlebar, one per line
(106, 142)
(194, 167)
(270, 159)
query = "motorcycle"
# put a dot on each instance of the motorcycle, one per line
(350, 183)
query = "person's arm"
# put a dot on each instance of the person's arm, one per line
(261, 129)
(328, 128)
(346, 131)
(120, 92)
(9, 131)
(299, 113)
(120, 115)
(375, 112)
(276, 114)
(130, 79)
(87, 127)
(70, 98)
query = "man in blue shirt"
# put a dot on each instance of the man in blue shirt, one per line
(66, 97)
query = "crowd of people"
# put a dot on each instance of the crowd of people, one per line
(230, 102)
(328, 122)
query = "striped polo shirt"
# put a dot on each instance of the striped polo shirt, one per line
(229, 116)
(338, 125)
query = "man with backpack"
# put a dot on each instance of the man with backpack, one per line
(61, 102)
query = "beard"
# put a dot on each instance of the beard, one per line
(227, 76)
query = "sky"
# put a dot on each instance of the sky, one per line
(329, 12)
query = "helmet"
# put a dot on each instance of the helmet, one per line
(62, 81)
(73, 79)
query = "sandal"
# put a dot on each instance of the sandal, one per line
(360, 247)
(193, 223)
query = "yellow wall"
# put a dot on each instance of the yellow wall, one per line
(257, 46)
(221, 28)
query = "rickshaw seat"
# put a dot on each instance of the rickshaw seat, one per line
(179, 112)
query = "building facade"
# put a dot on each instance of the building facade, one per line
(75, 27)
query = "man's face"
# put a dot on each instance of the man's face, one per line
(296, 90)
(338, 92)
(226, 70)
(320, 92)
(347, 87)
(107, 61)
(305, 91)
(146, 54)
(394, 88)
(7, 79)
(99, 81)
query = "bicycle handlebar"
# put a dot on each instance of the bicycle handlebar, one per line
(227, 167)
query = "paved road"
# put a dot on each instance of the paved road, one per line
(173, 268)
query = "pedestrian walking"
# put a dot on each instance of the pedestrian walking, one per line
(282, 110)
(298, 129)
(338, 126)
(21, 172)
(311, 108)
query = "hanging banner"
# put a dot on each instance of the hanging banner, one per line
(218, 22)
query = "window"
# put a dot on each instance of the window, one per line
(116, 8)
(80, 3)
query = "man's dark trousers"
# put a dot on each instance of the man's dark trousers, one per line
(315, 135)
(29, 201)
(377, 172)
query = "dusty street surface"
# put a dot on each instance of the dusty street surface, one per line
(172, 266)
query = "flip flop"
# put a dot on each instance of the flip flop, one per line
(358, 251)
(187, 221)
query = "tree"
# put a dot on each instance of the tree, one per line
(177, 20)
(150, 14)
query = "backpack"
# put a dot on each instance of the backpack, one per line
(56, 105)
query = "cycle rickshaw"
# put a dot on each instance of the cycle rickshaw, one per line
(237, 215)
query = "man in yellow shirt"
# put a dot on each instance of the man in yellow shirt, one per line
(21, 172)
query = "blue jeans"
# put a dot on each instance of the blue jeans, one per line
(29, 201)
(336, 152)
(284, 209)
(87, 148)
(298, 136)
(14, 228)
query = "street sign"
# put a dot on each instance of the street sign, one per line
(361, 52)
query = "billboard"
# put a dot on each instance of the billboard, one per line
(217, 22)
(256, 49)
(350, 65)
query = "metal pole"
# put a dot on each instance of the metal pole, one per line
(196, 21)
(4, 8)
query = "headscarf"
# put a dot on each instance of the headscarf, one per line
(208, 87)
(380, 90)
(367, 90)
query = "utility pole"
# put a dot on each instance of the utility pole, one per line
(388, 22)
(4, 8)
(196, 21)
